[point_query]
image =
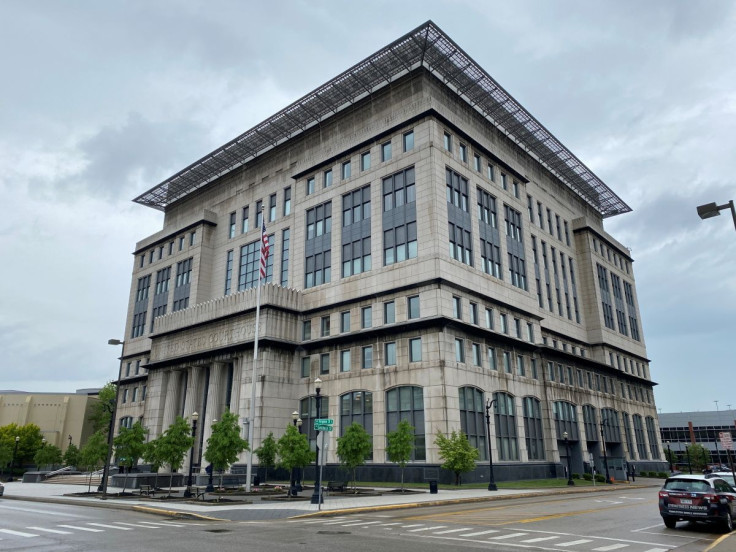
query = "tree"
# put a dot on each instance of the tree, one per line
(101, 410)
(173, 445)
(225, 443)
(671, 457)
(293, 450)
(457, 452)
(94, 453)
(30, 440)
(47, 455)
(129, 446)
(6, 455)
(354, 447)
(699, 456)
(400, 445)
(71, 455)
(267, 453)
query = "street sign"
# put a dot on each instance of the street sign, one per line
(324, 421)
(322, 428)
(726, 440)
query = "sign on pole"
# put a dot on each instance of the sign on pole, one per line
(726, 441)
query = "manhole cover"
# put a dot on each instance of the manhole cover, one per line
(217, 530)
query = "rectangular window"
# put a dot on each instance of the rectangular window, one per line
(477, 359)
(504, 324)
(515, 185)
(272, 208)
(389, 354)
(491, 172)
(408, 140)
(473, 313)
(492, 358)
(305, 367)
(459, 350)
(463, 153)
(517, 327)
(246, 225)
(504, 183)
(287, 201)
(310, 185)
(476, 162)
(412, 307)
(530, 332)
(192, 238)
(346, 170)
(367, 357)
(533, 366)
(228, 272)
(324, 326)
(324, 363)
(307, 329)
(457, 307)
(386, 151)
(447, 141)
(507, 362)
(520, 368)
(415, 349)
(567, 234)
(231, 232)
(285, 241)
(389, 312)
(366, 317)
(181, 243)
(365, 161)
(327, 178)
(345, 360)
(344, 321)
(489, 318)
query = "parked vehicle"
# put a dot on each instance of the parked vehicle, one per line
(727, 476)
(703, 498)
(2, 489)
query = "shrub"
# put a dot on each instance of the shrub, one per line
(588, 476)
(599, 478)
(576, 476)
(662, 475)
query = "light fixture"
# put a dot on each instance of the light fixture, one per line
(710, 210)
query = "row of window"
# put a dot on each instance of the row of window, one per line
(509, 325)
(628, 365)
(552, 280)
(161, 292)
(607, 252)
(556, 372)
(271, 214)
(133, 394)
(626, 315)
(559, 344)
(158, 253)
(540, 219)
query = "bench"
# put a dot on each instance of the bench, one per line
(148, 490)
(337, 486)
(199, 491)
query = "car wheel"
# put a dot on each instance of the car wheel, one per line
(728, 523)
(669, 522)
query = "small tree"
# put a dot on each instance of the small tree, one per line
(94, 453)
(29, 441)
(71, 455)
(225, 443)
(293, 450)
(400, 445)
(457, 452)
(173, 445)
(267, 454)
(100, 412)
(699, 456)
(47, 455)
(671, 457)
(354, 447)
(6, 455)
(129, 446)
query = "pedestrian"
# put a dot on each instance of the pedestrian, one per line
(633, 473)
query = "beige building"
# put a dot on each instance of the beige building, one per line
(432, 248)
(62, 417)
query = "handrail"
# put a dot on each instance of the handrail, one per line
(57, 472)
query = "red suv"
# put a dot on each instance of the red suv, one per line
(697, 498)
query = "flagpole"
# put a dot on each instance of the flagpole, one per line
(252, 423)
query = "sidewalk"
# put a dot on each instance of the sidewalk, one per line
(265, 509)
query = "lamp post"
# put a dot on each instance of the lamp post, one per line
(669, 455)
(292, 487)
(299, 488)
(188, 490)
(111, 430)
(210, 488)
(491, 481)
(569, 465)
(70, 440)
(689, 465)
(12, 461)
(605, 456)
(712, 210)
(317, 495)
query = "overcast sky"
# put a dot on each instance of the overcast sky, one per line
(101, 101)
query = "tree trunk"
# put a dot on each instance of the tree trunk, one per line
(171, 479)
(402, 479)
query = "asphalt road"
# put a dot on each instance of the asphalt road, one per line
(626, 521)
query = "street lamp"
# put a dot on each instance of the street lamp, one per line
(605, 456)
(299, 488)
(188, 490)
(669, 455)
(689, 465)
(292, 487)
(70, 440)
(569, 466)
(491, 481)
(712, 210)
(317, 495)
(111, 430)
(210, 488)
(12, 462)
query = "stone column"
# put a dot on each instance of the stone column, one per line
(215, 398)
(172, 399)
(192, 404)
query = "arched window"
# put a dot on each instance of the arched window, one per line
(505, 418)
(308, 413)
(471, 419)
(357, 406)
(533, 428)
(611, 428)
(566, 419)
(641, 444)
(627, 431)
(652, 436)
(407, 403)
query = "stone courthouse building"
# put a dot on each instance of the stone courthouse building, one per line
(433, 248)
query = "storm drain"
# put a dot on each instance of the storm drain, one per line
(217, 530)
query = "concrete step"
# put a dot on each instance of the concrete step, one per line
(74, 480)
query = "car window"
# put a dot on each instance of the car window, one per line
(687, 485)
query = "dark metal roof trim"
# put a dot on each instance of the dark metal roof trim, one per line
(426, 46)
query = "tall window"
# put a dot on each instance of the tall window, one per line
(285, 239)
(287, 201)
(246, 225)
(345, 360)
(310, 185)
(327, 178)
(415, 349)
(181, 289)
(412, 307)
(344, 321)
(566, 419)
(590, 422)
(399, 217)
(357, 407)
(231, 233)
(533, 428)
(356, 234)
(386, 151)
(324, 363)
(652, 436)
(365, 161)
(389, 353)
(456, 190)
(366, 354)
(308, 413)
(229, 272)
(407, 403)
(389, 312)
(318, 255)
(250, 264)
(641, 444)
(346, 170)
(505, 421)
(272, 208)
(366, 317)
(408, 140)
(472, 423)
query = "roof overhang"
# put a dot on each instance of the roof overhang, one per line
(426, 46)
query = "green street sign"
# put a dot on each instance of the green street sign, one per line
(324, 421)
(322, 428)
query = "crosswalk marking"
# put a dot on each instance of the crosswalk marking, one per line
(18, 533)
(610, 547)
(77, 528)
(106, 526)
(540, 539)
(453, 530)
(339, 521)
(137, 525)
(430, 528)
(56, 531)
(164, 524)
(362, 523)
(412, 525)
(573, 543)
(387, 524)
(509, 536)
(658, 550)
(478, 533)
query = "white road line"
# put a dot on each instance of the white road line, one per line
(387, 524)
(106, 526)
(610, 547)
(340, 521)
(50, 530)
(509, 536)
(37, 511)
(573, 543)
(540, 539)
(166, 524)
(77, 528)
(361, 523)
(658, 550)
(18, 533)
(137, 525)
(412, 525)
(453, 530)
(430, 528)
(478, 533)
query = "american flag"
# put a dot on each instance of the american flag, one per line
(264, 249)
